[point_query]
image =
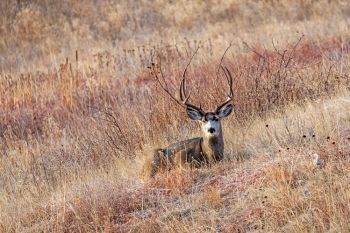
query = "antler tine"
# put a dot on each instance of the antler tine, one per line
(183, 97)
(154, 72)
(222, 59)
(188, 64)
(230, 82)
(228, 78)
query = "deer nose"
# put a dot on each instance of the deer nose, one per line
(211, 130)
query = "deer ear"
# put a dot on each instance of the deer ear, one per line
(194, 114)
(224, 110)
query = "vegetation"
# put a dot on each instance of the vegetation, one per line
(80, 111)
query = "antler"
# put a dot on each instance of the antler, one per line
(228, 78)
(229, 81)
(183, 97)
(182, 89)
(155, 72)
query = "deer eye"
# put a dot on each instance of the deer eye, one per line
(216, 119)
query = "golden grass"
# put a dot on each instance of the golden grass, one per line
(76, 126)
(276, 187)
(40, 34)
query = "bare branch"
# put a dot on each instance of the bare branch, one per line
(293, 51)
(253, 50)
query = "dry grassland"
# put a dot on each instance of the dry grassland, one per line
(79, 112)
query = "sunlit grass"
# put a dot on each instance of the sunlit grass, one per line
(77, 126)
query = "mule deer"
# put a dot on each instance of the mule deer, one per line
(196, 151)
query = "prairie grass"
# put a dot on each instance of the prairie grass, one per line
(38, 35)
(80, 111)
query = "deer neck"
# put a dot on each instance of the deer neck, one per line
(213, 147)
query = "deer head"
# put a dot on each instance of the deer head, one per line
(210, 121)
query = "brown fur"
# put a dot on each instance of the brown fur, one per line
(190, 153)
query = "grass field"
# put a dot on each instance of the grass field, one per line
(80, 111)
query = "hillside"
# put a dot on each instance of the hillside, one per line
(80, 111)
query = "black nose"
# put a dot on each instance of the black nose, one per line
(211, 130)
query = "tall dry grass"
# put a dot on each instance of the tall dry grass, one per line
(36, 35)
(77, 124)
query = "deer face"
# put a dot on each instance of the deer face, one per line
(210, 121)
(211, 124)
